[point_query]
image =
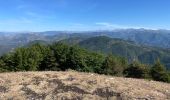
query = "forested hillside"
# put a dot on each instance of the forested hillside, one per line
(61, 57)
(128, 49)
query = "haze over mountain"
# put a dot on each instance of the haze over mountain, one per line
(55, 49)
(157, 38)
(145, 45)
(128, 49)
(83, 16)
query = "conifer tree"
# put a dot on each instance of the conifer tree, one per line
(159, 73)
(114, 65)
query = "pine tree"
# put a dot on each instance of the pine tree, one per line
(3, 67)
(61, 54)
(114, 65)
(76, 58)
(49, 63)
(159, 73)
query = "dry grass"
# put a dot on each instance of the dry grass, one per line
(77, 86)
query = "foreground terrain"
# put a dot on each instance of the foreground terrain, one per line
(76, 86)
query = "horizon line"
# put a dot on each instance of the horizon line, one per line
(153, 29)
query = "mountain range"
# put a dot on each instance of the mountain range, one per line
(144, 45)
(124, 48)
(158, 38)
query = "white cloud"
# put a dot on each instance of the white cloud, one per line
(106, 25)
(109, 25)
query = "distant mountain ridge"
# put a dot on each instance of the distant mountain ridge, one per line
(157, 38)
(124, 48)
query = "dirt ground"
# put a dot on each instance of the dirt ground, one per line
(72, 85)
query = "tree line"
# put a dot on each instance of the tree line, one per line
(61, 57)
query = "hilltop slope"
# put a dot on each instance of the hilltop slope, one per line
(77, 86)
(123, 48)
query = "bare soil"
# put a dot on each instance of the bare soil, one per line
(72, 85)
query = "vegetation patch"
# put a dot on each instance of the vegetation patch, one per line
(74, 98)
(92, 82)
(70, 78)
(55, 82)
(61, 57)
(37, 80)
(84, 87)
(106, 93)
(32, 95)
(72, 89)
(61, 87)
(24, 84)
(3, 89)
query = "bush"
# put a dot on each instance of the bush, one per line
(159, 73)
(137, 70)
(3, 67)
(94, 62)
(114, 65)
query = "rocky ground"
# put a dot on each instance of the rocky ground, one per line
(77, 86)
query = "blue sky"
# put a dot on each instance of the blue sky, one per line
(79, 15)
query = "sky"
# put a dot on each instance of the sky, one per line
(83, 15)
